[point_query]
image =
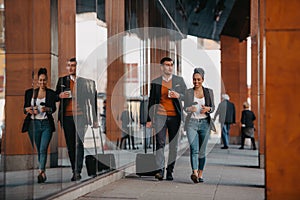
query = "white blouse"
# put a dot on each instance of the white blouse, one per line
(40, 115)
(197, 114)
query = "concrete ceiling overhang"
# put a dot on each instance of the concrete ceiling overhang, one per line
(201, 18)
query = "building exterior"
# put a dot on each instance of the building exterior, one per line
(44, 33)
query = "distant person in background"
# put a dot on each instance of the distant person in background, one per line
(143, 121)
(247, 129)
(226, 113)
(39, 105)
(126, 118)
(103, 117)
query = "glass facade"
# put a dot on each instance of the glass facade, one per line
(119, 54)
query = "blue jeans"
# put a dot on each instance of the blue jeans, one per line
(225, 134)
(40, 131)
(198, 134)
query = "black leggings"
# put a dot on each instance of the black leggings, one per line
(129, 137)
(243, 137)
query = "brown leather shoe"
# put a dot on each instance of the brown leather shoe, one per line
(194, 178)
(159, 176)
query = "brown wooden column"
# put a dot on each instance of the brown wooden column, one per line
(28, 46)
(257, 92)
(159, 49)
(233, 73)
(66, 45)
(281, 33)
(261, 88)
(66, 33)
(115, 19)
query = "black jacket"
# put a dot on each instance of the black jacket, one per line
(51, 99)
(178, 85)
(247, 118)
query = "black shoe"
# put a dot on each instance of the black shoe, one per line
(76, 177)
(201, 180)
(241, 148)
(169, 176)
(159, 176)
(254, 148)
(40, 178)
(225, 147)
(194, 178)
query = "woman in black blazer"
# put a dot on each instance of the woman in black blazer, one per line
(39, 106)
(198, 103)
(247, 128)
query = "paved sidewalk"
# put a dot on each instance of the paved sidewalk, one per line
(229, 174)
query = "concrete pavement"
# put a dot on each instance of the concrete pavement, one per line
(229, 174)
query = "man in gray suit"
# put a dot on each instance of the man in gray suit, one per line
(164, 114)
(226, 113)
(77, 110)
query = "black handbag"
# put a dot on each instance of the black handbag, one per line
(26, 123)
(248, 131)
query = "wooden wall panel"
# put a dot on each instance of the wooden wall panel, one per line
(115, 18)
(25, 22)
(66, 11)
(282, 14)
(233, 73)
(15, 89)
(16, 142)
(28, 47)
(24, 64)
(66, 33)
(282, 115)
(261, 79)
(159, 49)
(281, 33)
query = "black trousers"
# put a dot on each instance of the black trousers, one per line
(243, 137)
(129, 138)
(164, 124)
(74, 136)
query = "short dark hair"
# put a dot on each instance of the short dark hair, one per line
(165, 59)
(73, 60)
(42, 70)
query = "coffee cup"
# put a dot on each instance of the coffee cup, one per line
(69, 93)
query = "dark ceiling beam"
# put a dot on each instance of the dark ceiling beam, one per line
(238, 22)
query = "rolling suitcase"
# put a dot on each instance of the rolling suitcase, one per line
(99, 162)
(146, 163)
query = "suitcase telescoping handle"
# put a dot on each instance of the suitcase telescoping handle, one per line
(101, 140)
(152, 132)
(95, 146)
